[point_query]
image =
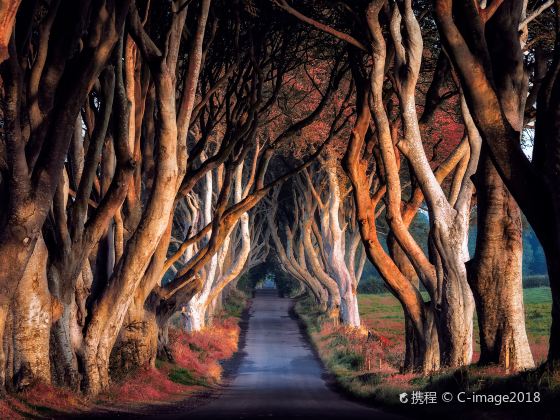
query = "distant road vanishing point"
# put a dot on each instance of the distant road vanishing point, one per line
(279, 376)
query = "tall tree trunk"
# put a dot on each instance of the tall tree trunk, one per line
(196, 306)
(421, 352)
(365, 205)
(333, 303)
(34, 176)
(447, 285)
(335, 246)
(66, 331)
(31, 316)
(111, 308)
(137, 342)
(552, 253)
(454, 306)
(495, 273)
(497, 266)
(138, 338)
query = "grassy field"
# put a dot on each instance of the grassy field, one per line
(383, 314)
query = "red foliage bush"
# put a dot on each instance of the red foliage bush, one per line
(201, 351)
(40, 398)
(198, 352)
(146, 386)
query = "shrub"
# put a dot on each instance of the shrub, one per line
(372, 285)
(371, 378)
(530, 282)
(349, 359)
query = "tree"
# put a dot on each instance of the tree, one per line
(38, 125)
(494, 90)
(443, 274)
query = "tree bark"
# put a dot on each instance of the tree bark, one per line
(137, 342)
(421, 352)
(333, 239)
(495, 273)
(454, 306)
(497, 266)
(31, 316)
(66, 332)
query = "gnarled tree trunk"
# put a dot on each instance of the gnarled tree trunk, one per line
(421, 352)
(31, 317)
(495, 273)
(333, 239)
(136, 346)
(454, 307)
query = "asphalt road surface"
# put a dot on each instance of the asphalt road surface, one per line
(279, 376)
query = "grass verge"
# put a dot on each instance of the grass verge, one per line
(365, 364)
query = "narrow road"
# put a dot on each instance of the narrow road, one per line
(279, 377)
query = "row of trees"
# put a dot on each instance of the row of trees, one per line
(136, 137)
(322, 244)
(152, 153)
(387, 43)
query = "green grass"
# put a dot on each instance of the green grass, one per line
(185, 377)
(384, 313)
(235, 303)
(538, 303)
(348, 359)
(537, 295)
